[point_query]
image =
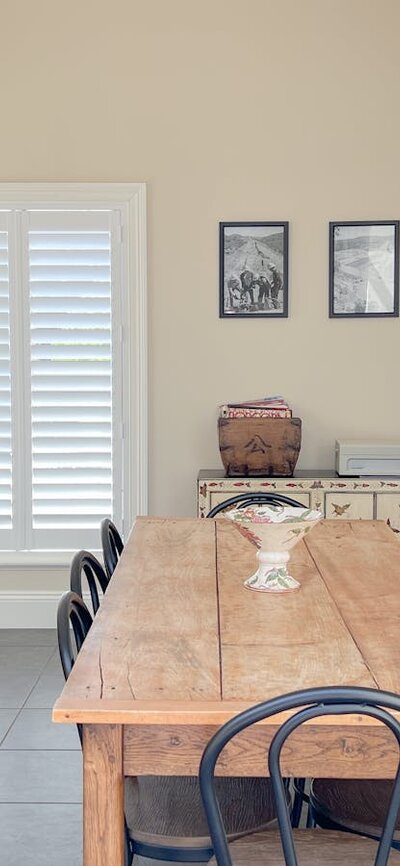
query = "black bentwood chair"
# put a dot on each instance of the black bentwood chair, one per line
(112, 545)
(72, 612)
(164, 816)
(244, 499)
(312, 847)
(85, 565)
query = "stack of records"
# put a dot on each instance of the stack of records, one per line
(266, 407)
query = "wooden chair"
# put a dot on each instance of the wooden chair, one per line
(352, 805)
(112, 545)
(166, 819)
(164, 816)
(244, 499)
(73, 624)
(85, 564)
(312, 847)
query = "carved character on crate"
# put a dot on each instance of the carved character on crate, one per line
(256, 444)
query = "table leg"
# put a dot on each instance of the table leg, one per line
(103, 796)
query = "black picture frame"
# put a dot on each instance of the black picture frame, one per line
(364, 269)
(260, 249)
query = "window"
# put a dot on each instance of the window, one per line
(72, 363)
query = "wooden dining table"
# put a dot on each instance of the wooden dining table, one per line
(179, 646)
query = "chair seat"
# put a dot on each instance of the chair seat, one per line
(359, 805)
(313, 848)
(168, 809)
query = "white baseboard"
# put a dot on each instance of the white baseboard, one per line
(29, 609)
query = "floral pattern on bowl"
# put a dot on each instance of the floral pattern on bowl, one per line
(274, 530)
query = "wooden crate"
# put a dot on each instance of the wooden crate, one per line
(259, 446)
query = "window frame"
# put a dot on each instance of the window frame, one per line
(130, 200)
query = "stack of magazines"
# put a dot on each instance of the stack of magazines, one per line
(266, 407)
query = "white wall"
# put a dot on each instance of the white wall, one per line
(229, 111)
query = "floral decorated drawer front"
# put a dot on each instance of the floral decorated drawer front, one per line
(338, 498)
(349, 506)
(388, 509)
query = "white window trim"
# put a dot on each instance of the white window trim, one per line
(132, 198)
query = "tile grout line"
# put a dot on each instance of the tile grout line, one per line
(40, 803)
(43, 750)
(19, 709)
(62, 807)
(34, 686)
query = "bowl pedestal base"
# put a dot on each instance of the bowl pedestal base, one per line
(272, 574)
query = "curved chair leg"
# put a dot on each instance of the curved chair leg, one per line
(310, 820)
(128, 856)
(298, 800)
(170, 854)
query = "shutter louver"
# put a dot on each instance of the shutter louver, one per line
(71, 377)
(5, 389)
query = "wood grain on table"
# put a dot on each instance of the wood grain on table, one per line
(179, 646)
(178, 632)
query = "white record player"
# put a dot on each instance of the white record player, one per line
(355, 457)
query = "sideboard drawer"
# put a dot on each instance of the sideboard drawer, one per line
(337, 498)
(388, 509)
(349, 506)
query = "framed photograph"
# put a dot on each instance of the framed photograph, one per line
(364, 269)
(253, 267)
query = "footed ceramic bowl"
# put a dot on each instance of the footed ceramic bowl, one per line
(274, 529)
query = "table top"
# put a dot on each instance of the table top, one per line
(179, 640)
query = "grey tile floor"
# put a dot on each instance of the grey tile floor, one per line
(40, 762)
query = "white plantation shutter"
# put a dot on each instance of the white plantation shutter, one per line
(73, 365)
(61, 377)
(6, 510)
(71, 361)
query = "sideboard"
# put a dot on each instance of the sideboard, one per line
(338, 498)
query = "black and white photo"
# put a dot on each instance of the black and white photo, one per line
(253, 269)
(364, 269)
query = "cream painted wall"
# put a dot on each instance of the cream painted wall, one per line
(228, 110)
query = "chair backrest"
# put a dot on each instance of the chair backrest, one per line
(72, 611)
(111, 543)
(84, 563)
(244, 499)
(313, 703)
